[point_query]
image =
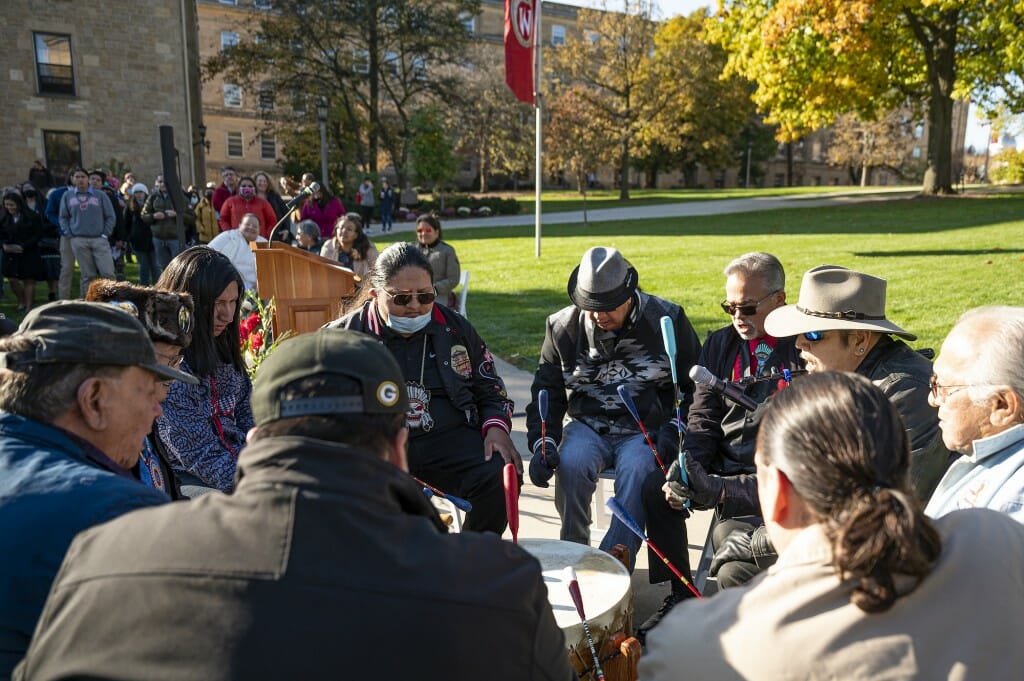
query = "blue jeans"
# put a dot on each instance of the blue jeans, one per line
(584, 454)
(148, 270)
(385, 219)
(164, 250)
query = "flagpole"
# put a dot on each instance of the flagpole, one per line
(538, 151)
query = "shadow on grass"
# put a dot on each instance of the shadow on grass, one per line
(896, 216)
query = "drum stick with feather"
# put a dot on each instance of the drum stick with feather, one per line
(668, 335)
(459, 502)
(623, 515)
(631, 406)
(577, 599)
(511, 481)
(542, 411)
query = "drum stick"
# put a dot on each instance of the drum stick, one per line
(631, 406)
(460, 503)
(511, 480)
(668, 335)
(577, 598)
(623, 515)
(542, 410)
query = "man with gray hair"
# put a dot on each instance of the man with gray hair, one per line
(79, 390)
(978, 388)
(720, 435)
(234, 243)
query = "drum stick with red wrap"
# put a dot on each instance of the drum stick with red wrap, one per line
(577, 598)
(459, 502)
(542, 411)
(511, 480)
(631, 406)
(623, 515)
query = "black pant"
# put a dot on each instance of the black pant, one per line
(452, 460)
(666, 528)
(735, 572)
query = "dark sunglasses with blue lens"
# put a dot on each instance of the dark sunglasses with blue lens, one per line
(814, 336)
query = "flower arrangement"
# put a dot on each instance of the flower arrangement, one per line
(463, 211)
(256, 331)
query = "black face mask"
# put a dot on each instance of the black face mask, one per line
(30, 195)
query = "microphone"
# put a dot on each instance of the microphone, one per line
(306, 191)
(701, 375)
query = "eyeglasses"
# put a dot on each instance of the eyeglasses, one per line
(404, 299)
(814, 336)
(173, 361)
(745, 309)
(942, 392)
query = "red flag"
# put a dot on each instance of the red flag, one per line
(520, 22)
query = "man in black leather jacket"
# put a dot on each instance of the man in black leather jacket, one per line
(326, 560)
(720, 434)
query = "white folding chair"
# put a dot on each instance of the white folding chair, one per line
(463, 290)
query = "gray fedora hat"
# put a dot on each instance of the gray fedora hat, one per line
(602, 281)
(834, 298)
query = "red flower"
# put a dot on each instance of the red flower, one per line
(249, 324)
(256, 341)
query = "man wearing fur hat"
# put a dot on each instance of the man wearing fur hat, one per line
(167, 317)
(609, 337)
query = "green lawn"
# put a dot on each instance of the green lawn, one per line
(940, 256)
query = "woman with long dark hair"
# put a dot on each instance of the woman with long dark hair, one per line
(441, 256)
(20, 230)
(459, 413)
(866, 586)
(204, 426)
(350, 246)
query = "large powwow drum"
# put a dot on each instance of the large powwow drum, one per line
(607, 602)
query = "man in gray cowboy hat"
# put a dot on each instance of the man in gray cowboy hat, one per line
(839, 324)
(79, 390)
(609, 337)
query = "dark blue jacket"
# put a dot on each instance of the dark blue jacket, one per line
(49, 492)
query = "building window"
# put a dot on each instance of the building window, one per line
(268, 147)
(299, 101)
(232, 96)
(391, 63)
(53, 64)
(557, 34)
(266, 98)
(419, 68)
(360, 61)
(228, 39)
(235, 145)
(470, 23)
(62, 151)
(262, 4)
(229, 2)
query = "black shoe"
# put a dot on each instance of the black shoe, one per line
(51, 297)
(670, 602)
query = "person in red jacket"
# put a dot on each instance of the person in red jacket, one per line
(237, 207)
(227, 188)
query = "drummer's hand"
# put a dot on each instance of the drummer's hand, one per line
(497, 441)
(673, 499)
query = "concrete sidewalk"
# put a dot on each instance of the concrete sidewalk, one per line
(538, 518)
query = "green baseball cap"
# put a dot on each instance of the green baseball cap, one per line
(77, 332)
(329, 353)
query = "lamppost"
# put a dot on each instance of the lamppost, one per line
(321, 112)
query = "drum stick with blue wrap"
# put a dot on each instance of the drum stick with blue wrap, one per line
(631, 406)
(460, 503)
(511, 481)
(668, 334)
(623, 515)
(577, 599)
(542, 411)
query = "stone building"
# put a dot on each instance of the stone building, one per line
(87, 82)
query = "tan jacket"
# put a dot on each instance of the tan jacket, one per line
(206, 221)
(964, 621)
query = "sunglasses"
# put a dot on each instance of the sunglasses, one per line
(745, 309)
(814, 336)
(403, 299)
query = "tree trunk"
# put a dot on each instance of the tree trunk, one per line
(864, 174)
(624, 172)
(484, 170)
(372, 47)
(789, 164)
(690, 175)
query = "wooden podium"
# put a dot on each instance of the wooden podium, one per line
(308, 290)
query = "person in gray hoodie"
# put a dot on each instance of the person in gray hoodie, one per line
(88, 218)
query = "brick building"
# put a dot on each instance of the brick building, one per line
(86, 82)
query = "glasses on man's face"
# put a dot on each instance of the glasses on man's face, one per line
(814, 336)
(173, 361)
(745, 309)
(403, 299)
(942, 392)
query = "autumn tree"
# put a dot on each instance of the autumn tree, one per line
(707, 112)
(572, 142)
(377, 63)
(864, 145)
(610, 63)
(813, 60)
(432, 150)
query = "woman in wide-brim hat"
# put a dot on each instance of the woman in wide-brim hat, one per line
(840, 325)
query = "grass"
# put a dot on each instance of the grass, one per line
(940, 257)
